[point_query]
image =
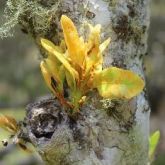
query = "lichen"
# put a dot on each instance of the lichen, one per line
(33, 16)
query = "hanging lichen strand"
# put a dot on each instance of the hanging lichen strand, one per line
(78, 64)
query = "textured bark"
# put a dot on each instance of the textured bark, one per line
(107, 132)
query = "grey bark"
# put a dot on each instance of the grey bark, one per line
(107, 132)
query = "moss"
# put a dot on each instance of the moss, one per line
(112, 3)
(125, 24)
(120, 110)
(119, 63)
(126, 29)
(121, 27)
(132, 12)
(110, 106)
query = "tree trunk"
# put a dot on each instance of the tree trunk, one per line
(107, 132)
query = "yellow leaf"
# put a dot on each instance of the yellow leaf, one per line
(53, 69)
(52, 84)
(47, 76)
(48, 46)
(118, 83)
(104, 45)
(75, 45)
(9, 123)
(57, 72)
(54, 66)
(94, 37)
(63, 46)
(94, 57)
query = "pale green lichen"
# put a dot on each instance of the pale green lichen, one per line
(33, 15)
(111, 4)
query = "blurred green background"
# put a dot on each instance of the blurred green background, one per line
(21, 81)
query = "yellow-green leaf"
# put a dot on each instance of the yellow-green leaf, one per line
(153, 142)
(70, 80)
(61, 73)
(9, 123)
(75, 45)
(118, 83)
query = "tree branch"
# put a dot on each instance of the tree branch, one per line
(106, 132)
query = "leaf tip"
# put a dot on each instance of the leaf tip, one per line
(153, 142)
(66, 22)
(42, 40)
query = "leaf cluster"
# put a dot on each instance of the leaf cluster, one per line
(78, 65)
